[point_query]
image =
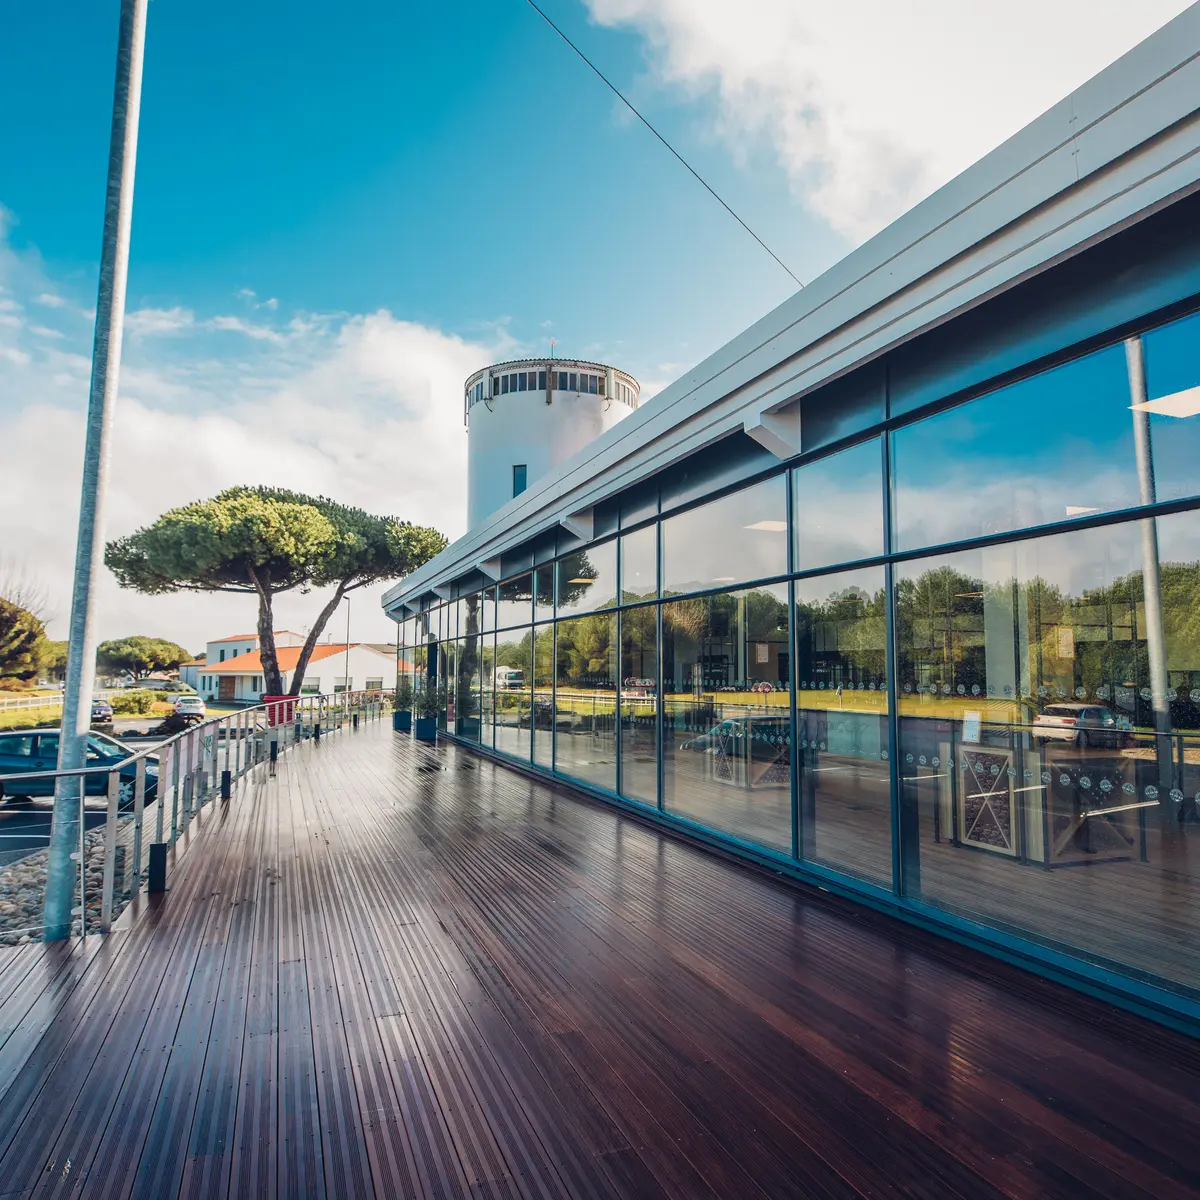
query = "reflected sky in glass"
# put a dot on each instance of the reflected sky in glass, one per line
(839, 507)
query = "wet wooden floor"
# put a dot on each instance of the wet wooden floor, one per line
(400, 972)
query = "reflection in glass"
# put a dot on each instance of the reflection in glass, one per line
(543, 695)
(487, 693)
(445, 684)
(543, 593)
(511, 680)
(1173, 400)
(1041, 797)
(727, 725)
(739, 537)
(639, 565)
(639, 704)
(585, 699)
(838, 514)
(841, 723)
(1052, 447)
(468, 707)
(514, 603)
(587, 579)
(487, 610)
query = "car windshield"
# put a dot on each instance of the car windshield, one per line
(1062, 710)
(101, 747)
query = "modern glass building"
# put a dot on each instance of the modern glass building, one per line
(899, 593)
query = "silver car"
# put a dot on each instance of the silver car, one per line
(1081, 725)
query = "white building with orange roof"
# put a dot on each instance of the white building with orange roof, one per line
(333, 667)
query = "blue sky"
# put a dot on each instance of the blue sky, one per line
(342, 210)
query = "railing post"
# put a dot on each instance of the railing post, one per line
(139, 804)
(160, 795)
(227, 739)
(110, 851)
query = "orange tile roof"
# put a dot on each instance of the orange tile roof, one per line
(286, 656)
(241, 637)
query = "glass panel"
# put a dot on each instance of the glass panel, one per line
(487, 692)
(514, 604)
(543, 593)
(587, 579)
(739, 537)
(639, 704)
(522, 381)
(639, 564)
(543, 695)
(446, 677)
(1173, 391)
(468, 708)
(1037, 793)
(841, 723)
(726, 712)
(487, 610)
(511, 679)
(1056, 446)
(585, 699)
(839, 507)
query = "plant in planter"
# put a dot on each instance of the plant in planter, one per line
(402, 703)
(429, 703)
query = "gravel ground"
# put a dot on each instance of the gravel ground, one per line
(22, 885)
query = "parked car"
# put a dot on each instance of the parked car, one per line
(102, 711)
(29, 750)
(191, 707)
(759, 734)
(1082, 725)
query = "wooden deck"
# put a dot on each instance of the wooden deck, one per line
(401, 972)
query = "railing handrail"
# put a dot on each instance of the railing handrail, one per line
(159, 747)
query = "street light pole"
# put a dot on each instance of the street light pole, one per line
(65, 832)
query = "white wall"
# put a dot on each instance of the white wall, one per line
(521, 427)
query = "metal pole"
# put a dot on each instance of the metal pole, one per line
(347, 643)
(1156, 644)
(89, 549)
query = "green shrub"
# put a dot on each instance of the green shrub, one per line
(139, 702)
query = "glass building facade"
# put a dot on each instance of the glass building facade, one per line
(950, 663)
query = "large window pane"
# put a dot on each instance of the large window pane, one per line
(639, 704)
(586, 699)
(841, 723)
(513, 691)
(839, 507)
(514, 602)
(1056, 446)
(487, 686)
(543, 593)
(727, 724)
(468, 711)
(543, 695)
(1040, 796)
(487, 610)
(1173, 392)
(639, 565)
(587, 579)
(445, 683)
(742, 536)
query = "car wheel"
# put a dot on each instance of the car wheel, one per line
(125, 794)
(1081, 740)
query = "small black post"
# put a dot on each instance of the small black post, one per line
(317, 731)
(156, 879)
(274, 755)
(354, 720)
(226, 785)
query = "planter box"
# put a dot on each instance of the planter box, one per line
(402, 721)
(425, 729)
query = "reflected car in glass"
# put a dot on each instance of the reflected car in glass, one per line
(1081, 725)
(762, 734)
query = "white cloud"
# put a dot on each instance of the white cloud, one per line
(155, 322)
(50, 300)
(366, 408)
(869, 105)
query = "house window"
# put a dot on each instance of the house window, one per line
(495, 385)
(222, 658)
(521, 382)
(341, 683)
(504, 383)
(572, 382)
(593, 384)
(541, 381)
(520, 474)
(562, 381)
(374, 685)
(311, 686)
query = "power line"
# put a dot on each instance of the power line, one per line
(695, 174)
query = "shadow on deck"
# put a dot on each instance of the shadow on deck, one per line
(400, 972)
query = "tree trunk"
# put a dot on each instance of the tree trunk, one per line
(310, 642)
(272, 679)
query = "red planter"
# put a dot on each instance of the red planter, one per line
(281, 710)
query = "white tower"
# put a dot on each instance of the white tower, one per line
(525, 418)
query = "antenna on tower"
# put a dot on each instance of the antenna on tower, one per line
(553, 343)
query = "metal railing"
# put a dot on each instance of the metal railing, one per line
(163, 787)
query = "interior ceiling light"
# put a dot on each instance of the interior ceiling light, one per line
(1178, 404)
(1076, 510)
(769, 526)
(723, 578)
(583, 579)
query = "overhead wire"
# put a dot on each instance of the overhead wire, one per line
(612, 87)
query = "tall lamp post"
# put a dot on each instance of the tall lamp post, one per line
(66, 832)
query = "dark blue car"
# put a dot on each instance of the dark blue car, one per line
(29, 750)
